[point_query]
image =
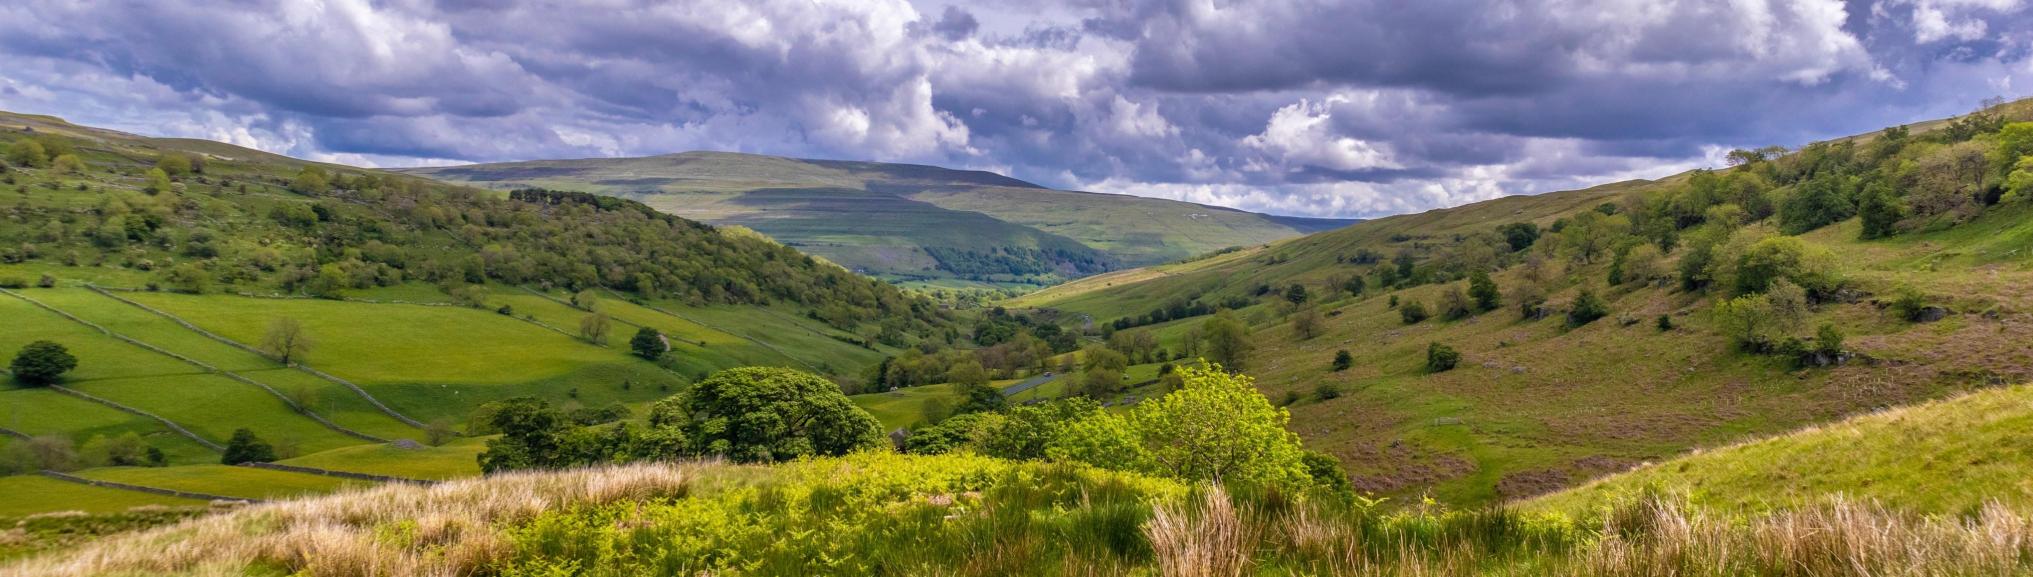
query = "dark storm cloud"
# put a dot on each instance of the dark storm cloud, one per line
(1318, 107)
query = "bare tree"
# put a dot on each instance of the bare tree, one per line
(286, 340)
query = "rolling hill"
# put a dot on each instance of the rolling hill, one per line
(1539, 401)
(164, 267)
(906, 222)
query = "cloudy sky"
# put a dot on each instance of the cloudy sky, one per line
(1303, 107)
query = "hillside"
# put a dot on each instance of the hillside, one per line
(966, 515)
(1947, 457)
(906, 222)
(167, 268)
(1871, 233)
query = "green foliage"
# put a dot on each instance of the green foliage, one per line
(42, 363)
(174, 164)
(1767, 260)
(1025, 431)
(1217, 426)
(1828, 340)
(157, 182)
(1228, 341)
(1441, 358)
(1881, 210)
(1587, 308)
(1484, 290)
(1664, 323)
(1519, 235)
(1342, 360)
(1815, 203)
(1296, 294)
(1454, 305)
(961, 431)
(67, 164)
(311, 181)
(648, 344)
(27, 152)
(1759, 322)
(1412, 311)
(757, 414)
(245, 447)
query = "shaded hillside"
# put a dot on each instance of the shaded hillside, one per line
(907, 221)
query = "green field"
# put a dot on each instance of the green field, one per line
(907, 407)
(226, 480)
(31, 494)
(449, 461)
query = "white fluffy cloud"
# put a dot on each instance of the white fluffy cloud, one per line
(1314, 107)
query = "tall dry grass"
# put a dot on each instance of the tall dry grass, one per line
(1648, 537)
(447, 530)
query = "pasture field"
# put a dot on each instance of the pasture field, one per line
(31, 494)
(226, 480)
(454, 459)
(906, 407)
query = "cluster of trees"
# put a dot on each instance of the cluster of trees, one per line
(1215, 426)
(748, 414)
(1004, 261)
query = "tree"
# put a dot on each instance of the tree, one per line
(1519, 235)
(1586, 309)
(27, 153)
(532, 433)
(1227, 340)
(594, 328)
(1343, 360)
(42, 362)
(125, 450)
(173, 164)
(1484, 290)
(1296, 294)
(1412, 312)
(310, 181)
(68, 164)
(648, 344)
(763, 414)
(1217, 427)
(286, 340)
(157, 182)
(1454, 305)
(1306, 323)
(245, 447)
(1441, 357)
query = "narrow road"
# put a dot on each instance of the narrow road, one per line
(1027, 384)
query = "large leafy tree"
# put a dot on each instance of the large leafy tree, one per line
(763, 414)
(1227, 340)
(648, 343)
(1216, 427)
(245, 447)
(41, 362)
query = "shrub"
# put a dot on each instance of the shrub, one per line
(1484, 290)
(1828, 341)
(42, 362)
(1910, 304)
(1665, 323)
(1342, 360)
(1412, 312)
(245, 447)
(648, 343)
(1454, 305)
(1440, 358)
(1586, 309)
(1326, 391)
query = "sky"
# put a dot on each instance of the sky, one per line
(1349, 108)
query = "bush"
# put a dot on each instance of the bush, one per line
(1412, 312)
(1484, 290)
(1665, 323)
(42, 362)
(1587, 308)
(1342, 360)
(1440, 358)
(648, 344)
(245, 447)
(761, 414)
(1327, 391)
(1454, 305)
